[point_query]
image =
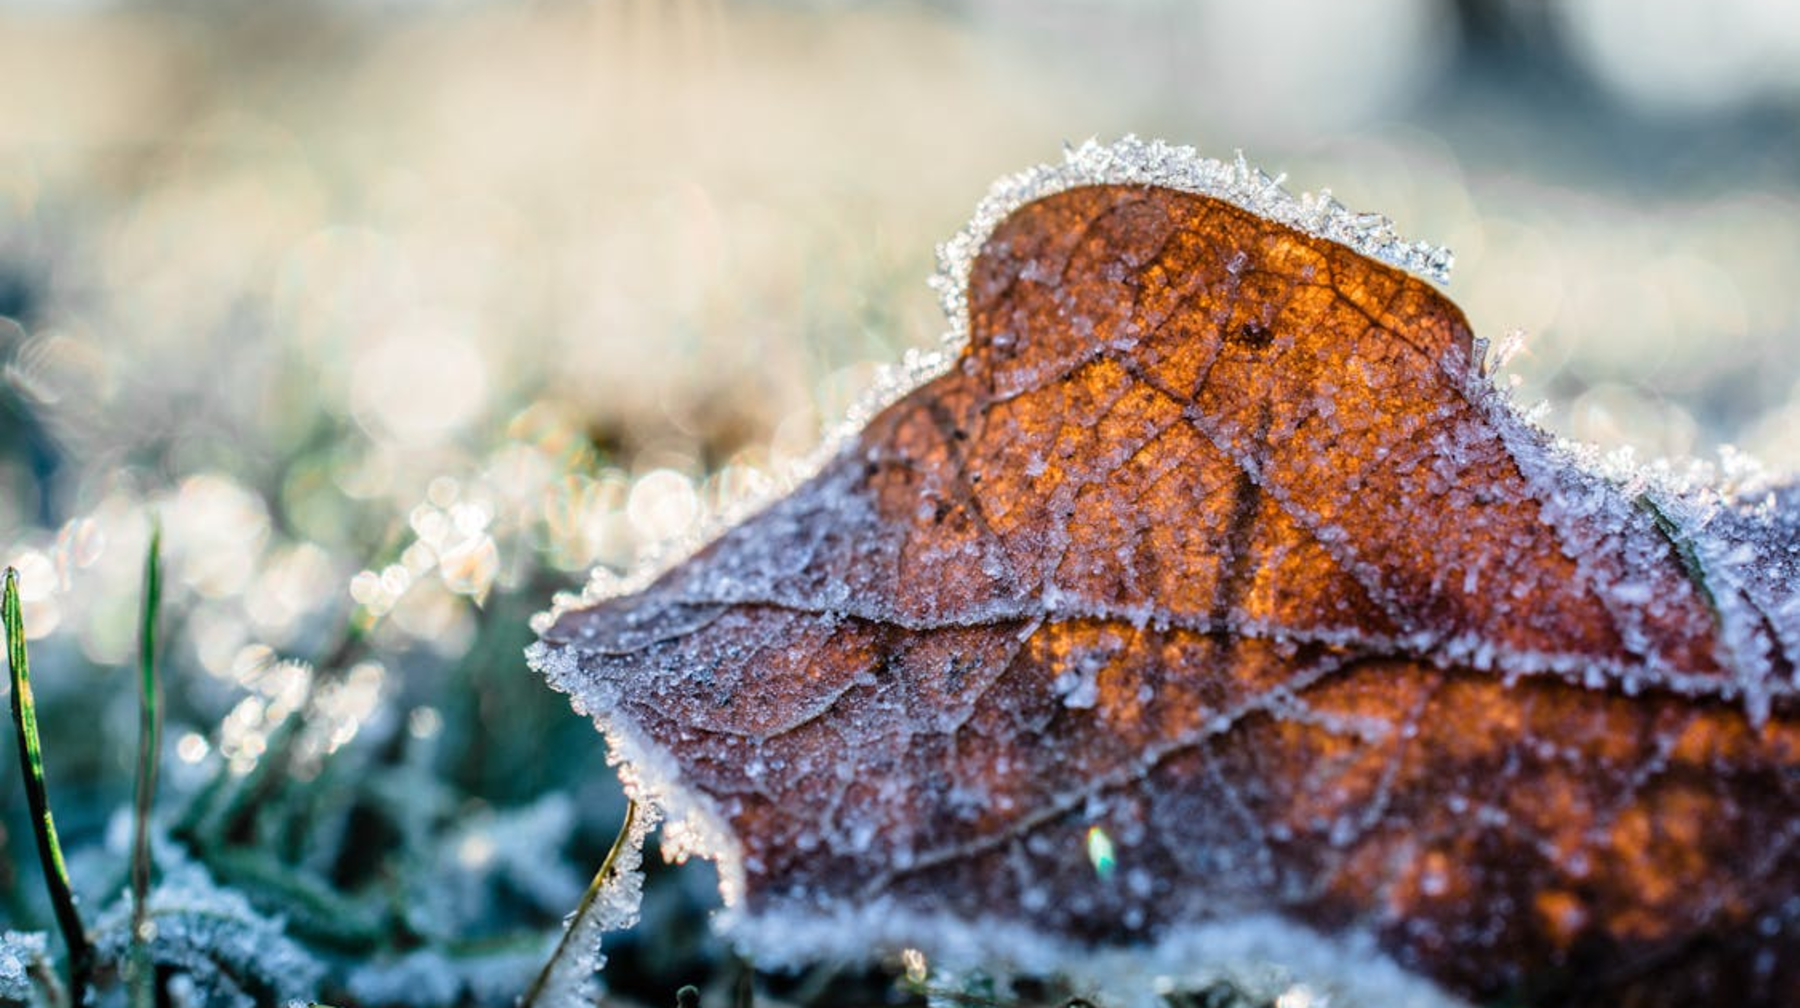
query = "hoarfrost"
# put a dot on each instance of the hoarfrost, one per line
(1131, 161)
(1262, 956)
(20, 953)
(429, 978)
(570, 978)
(233, 954)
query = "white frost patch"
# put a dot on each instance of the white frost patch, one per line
(231, 954)
(1262, 955)
(20, 952)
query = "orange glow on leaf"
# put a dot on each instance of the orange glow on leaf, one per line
(1214, 541)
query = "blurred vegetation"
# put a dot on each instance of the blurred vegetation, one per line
(402, 316)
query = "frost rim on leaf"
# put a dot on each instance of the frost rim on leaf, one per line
(1262, 955)
(692, 824)
(1131, 161)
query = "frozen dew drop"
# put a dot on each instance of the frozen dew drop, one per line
(1301, 996)
(192, 748)
(424, 722)
(1100, 852)
(917, 969)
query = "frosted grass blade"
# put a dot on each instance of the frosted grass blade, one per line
(566, 957)
(43, 824)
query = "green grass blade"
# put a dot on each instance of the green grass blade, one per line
(140, 973)
(31, 765)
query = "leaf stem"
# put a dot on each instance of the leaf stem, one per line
(594, 888)
(141, 974)
(31, 765)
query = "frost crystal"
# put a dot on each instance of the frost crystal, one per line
(1132, 161)
(232, 954)
(1261, 956)
(612, 907)
(19, 952)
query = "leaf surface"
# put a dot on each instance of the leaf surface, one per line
(1215, 544)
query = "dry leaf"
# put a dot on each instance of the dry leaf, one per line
(1213, 598)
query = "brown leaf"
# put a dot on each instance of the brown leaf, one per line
(1213, 583)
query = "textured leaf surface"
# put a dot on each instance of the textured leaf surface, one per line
(1214, 582)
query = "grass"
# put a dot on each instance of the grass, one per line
(141, 975)
(563, 963)
(233, 824)
(31, 764)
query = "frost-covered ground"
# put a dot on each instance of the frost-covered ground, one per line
(404, 317)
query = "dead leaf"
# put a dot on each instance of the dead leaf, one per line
(1214, 583)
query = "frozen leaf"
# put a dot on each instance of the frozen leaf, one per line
(1212, 609)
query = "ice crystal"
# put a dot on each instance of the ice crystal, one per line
(429, 977)
(613, 906)
(232, 954)
(20, 953)
(1131, 161)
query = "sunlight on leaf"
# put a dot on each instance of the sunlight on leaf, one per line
(1216, 543)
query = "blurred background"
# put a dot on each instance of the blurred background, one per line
(403, 314)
